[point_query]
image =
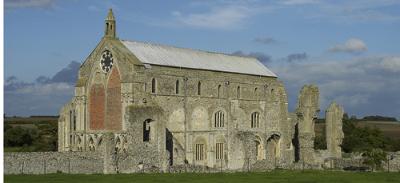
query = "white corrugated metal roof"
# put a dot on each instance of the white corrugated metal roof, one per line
(195, 59)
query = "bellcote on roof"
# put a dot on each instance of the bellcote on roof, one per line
(187, 58)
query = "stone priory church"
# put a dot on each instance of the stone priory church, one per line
(150, 105)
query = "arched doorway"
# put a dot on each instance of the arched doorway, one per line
(273, 151)
(259, 148)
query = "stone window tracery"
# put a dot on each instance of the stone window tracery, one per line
(219, 151)
(219, 119)
(92, 146)
(200, 155)
(255, 120)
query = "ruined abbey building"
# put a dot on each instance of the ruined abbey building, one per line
(140, 106)
(167, 106)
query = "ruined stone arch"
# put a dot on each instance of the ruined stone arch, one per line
(99, 141)
(79, 142)
(176, 120)
(220, 147)
(259, 148)
(200, 149)
(125, 145)
(273, 147)
(118, 144)
(200, 119)
(220, 138)
(91, 144)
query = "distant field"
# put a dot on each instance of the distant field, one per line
(389, 129)
(30, 120)
(275, 176)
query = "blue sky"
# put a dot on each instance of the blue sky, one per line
(349, 48)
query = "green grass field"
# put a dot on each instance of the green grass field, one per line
(275, 177)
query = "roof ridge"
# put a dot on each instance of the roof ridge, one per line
(159, 54)
(191, 49)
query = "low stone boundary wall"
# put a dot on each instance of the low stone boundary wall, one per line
(52, 162)
(392, 162)
(94, 162)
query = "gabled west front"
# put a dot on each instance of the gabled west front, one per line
(148, 107)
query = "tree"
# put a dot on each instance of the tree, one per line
(362, 139)
(374, 158)
(19, 136)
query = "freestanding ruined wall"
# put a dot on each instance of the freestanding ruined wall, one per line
(307, 111)
(334, 132)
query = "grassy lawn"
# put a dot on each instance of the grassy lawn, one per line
(275, 176)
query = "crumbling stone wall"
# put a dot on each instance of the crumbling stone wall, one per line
(52, 162)
(307, 111)
(393, 163)
(334, 131)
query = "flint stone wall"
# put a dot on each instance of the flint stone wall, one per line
(394, 164)
(52, 162)
(356, 160)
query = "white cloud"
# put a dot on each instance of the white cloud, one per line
(391, 64)
(45, 89)
(352, 45)
(37, 99)
(10, 4)
(217, 18)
